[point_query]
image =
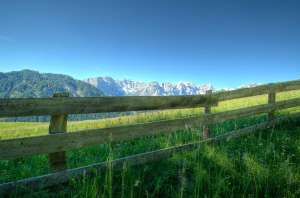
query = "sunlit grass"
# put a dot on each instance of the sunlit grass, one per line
(263, 164)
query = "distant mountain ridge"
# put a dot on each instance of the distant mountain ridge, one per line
(28, 83)
(112, 87)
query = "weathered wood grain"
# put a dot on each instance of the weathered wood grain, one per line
(58, 124)
(14, 148)
(54, 106)
(53, 179)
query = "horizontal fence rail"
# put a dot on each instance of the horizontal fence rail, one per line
(68, 141)
(64, 105)
(59, 141)
(53, 106)
(258, 90)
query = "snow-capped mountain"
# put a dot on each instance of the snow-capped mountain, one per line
(111, 87)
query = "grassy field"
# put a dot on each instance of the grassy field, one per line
(261, 164)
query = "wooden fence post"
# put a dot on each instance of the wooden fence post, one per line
(58, 124)
(271, 100)
(207, 110)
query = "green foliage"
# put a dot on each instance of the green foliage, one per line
(265, 164)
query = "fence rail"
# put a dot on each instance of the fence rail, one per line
(68, 141)
(65, 105)
(258, 90)
(59, 141)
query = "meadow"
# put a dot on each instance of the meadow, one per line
(260, 164)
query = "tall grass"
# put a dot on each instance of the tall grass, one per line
(262, 164)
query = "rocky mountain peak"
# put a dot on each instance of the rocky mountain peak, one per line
(112, 87)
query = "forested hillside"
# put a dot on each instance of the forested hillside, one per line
(28, 83)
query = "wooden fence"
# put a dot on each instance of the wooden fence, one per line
(59, 141)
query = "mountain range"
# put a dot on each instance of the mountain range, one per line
(112, 87)
(28, 83)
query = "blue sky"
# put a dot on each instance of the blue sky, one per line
(226, 43)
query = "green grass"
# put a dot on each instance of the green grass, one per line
(261, 164)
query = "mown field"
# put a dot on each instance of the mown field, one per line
(262, 164)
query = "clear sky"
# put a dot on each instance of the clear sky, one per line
(225, 42)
